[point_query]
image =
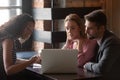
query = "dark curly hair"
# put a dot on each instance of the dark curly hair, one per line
(14, 27)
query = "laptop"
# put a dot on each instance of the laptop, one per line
(58, 61)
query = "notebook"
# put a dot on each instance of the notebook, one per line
(58, 61)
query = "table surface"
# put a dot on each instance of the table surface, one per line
(81, 75)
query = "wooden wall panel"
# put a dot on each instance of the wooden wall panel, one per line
(116, 17)
(83, 3)
(113, 15)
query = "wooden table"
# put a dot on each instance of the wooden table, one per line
(82, 75)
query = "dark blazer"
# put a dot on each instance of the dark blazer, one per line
(107, 60)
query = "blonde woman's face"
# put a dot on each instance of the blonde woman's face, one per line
(72, 30)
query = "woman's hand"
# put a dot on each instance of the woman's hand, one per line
(68, 41)
(78, 44)
(67, 44)
(35, 59)
(38, 60)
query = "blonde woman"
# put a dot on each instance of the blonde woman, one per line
(76, 39)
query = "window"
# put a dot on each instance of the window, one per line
(9, 8)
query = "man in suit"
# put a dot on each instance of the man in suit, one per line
(107, 61)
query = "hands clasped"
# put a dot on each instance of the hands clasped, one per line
(35, 59)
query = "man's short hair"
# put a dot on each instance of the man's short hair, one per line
(97, 16)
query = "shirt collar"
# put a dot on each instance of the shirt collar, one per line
(99, 41)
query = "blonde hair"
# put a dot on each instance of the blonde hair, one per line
(74, 17)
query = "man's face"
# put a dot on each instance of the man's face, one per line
(91, 30)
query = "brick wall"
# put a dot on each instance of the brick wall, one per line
(41, 24)
(45, 25)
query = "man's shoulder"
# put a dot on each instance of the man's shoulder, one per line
(110, 40)
(111, 37)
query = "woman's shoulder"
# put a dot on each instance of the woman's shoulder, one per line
(91, 41)
(8, 40)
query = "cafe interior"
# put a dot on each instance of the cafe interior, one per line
(49, 32)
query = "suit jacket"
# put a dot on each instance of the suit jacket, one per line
(107, 60)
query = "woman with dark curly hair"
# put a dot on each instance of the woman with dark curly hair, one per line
(19, 28)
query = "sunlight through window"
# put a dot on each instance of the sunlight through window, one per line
(9, 8)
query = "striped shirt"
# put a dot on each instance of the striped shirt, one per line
(3, 75)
